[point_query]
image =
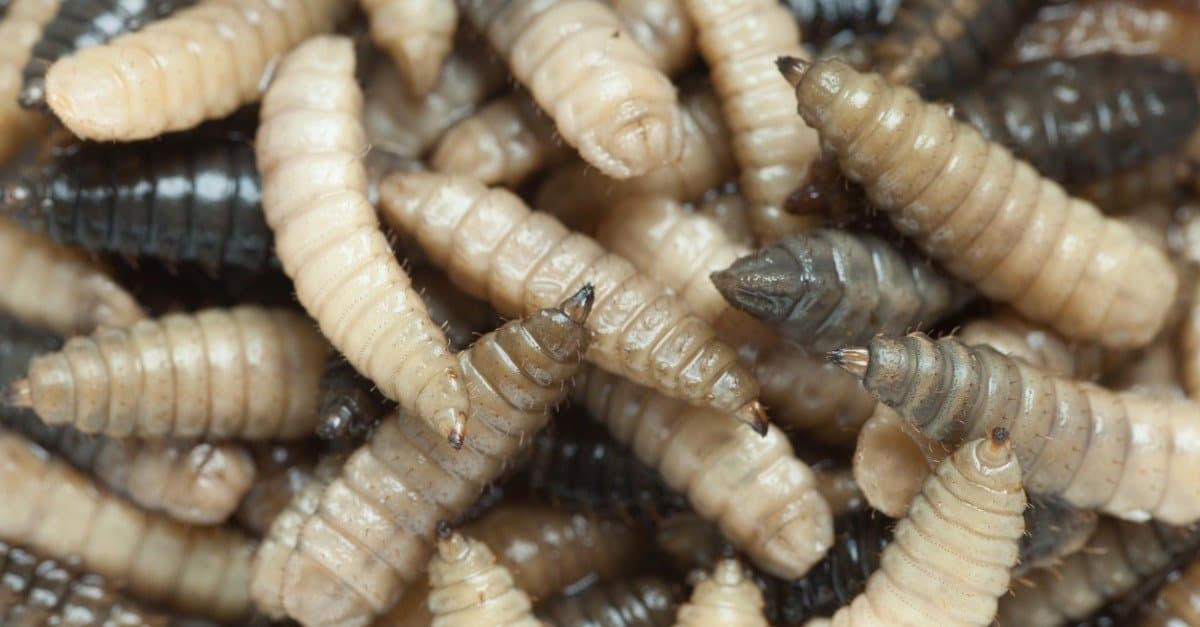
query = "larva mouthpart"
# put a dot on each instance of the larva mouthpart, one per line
(20, 29)
(506, 141)
(418, 35)
(468, 588)
(662, 28)
(645, 601)
(726, 598)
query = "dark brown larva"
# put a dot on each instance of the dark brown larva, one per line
(348, 406)
(639, 602)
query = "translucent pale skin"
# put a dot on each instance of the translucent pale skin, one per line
(727, 598)
(19, 30)
(740, 40)
(506, 141)
(200, 63)
(762, 497)
(990, 219)
(59, 512)
(645, 601)
(245, 372)
(309, 150)
(418, 34)
(605, 93)
(468, 588)
(662, 28)
(58, 288)
(492, 246)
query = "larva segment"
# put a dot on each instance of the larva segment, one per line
(19, 29)
(492, 246)
(728, 209)
(1036, 345)
(763, 498)
(281, 470)
(892, 460)
(639, 602)
(662, 28)
(417, 34)
(820, 20)
(199, 64)
(55, 287)
(727, 598)
(1177, 602)
(990, 219)
(1124, 453)
(740, 39)
(245, 372)
(506, 141)
(469, 589)
(43, 592)
(309, 147)
(618, 110)
(372, 532)
(60, 513)
(827, 289)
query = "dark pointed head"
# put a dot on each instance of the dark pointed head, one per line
(766, 284)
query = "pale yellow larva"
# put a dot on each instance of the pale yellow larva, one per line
(726, 598)
(506, 141)
(19, 30)
(468, 588)
(418, 34)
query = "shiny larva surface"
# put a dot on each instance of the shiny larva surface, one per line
(417, 34)
(469, 588)
(644, 601)
(821, 19)
(506, 141)
(727, 598)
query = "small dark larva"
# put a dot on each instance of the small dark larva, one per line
(468, 587)
(348, 406)
(639, 602)
(727, 598)
(821, 19)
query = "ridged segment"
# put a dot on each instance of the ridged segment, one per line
(467, 588)
(506, 141)
(20, 29)
(417, 34)
(821, 19)
(728, 598)
(640, 602)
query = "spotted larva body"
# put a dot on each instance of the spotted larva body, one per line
(199, 64)
(990, 219)
(761, 496)
(506, 141)
(20, 29)
(820, 20)
(58, 512)
(740, 39)
(39, 592)
(468, 588)
(727, 598)
(48, 285)
(245, 372)
(1123, 453)
(639, 602)
(492, 246)
(371, 534)
(309, 148)
(417, 34)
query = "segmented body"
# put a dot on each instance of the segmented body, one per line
(462, 317)
(468, 588)
(821, 19)
(19, 30)
(726, 598)
(19, 344)
(506, 141)
(1036, 345)
(417, 34)
(639, 602)
(662, 28)
(990, 219)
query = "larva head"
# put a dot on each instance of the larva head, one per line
(990, 461)
(767, 284)
(817, 85)
(559, 331)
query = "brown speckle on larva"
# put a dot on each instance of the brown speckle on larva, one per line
(418, 34)
(309, 149)
(604, 92)
(61, 513)
(662, 28)
(492, 246)
(468, 588)
(506, 141)
(727, 598)
(245, 372)
(200, 63)
(988, 218)
(19, 30)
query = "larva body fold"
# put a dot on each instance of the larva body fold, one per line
(644, 601)
(20, 29)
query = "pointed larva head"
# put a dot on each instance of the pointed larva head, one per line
(560, 331)
(817, 84)
(766, 284)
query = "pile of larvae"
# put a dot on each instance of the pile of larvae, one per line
(599, 313)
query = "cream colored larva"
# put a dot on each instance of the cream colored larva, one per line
(245, 372)
(309, 149)
(727, 598)
(605, 93)
(662, 28)
(468, 588)
(61, 513)
(201, 63)
(728, 208)
(417, 34)
(506, 141)
(19, 30)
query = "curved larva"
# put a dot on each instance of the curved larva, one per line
(52, 286)
(662, 28)
(506, 141)
(468, 588)
(309, 146)
(617, 109)
(989, 218)
(740, 40)
(492, 246)
(417, 34)
(19, 30)
(1124, 453)
(245, 372)
(372, 532)
(60, 513)
(728, 208)
(644, 601)
(727, 598)
(1189, 348)
(200, 63)
(763, 498)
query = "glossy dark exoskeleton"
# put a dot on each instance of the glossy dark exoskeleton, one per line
(820, 20)
(348, 404)
(639, 602)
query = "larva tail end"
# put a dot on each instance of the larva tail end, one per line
(852, 360)
(728, 572)
(444, 529)
(579, 305)
(755, 415)
(19, 394)
(765, 284)
(792, 68)
(453, 546)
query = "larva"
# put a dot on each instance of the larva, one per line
(347, 405)
(638, 602)
(58, 512)
(1082, 119)
(40, 592)
(329, 242)
(187, 199)
(739, 39)
(892, 460)
(370, 536)
(245, 372)
(1123, 453)
(619, 111)
(468, 588)
(199, 64)
(55, 287)
(990, 219)
(951, 556)
(1038, 346)
(1152, 371)
(727, 598)
(282, 470)
(837, 486)
(728, 209)
(662, 28)
(506, 141)
(19, 30)
(1053, 530)
(1177, 602)
(819, 20)
(82, 23)
(1189, 348)
(761, 496)
(418, 35)
(826, 289)
(492, 246)
(940, 45)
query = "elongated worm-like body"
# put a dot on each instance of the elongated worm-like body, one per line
(727, 598)
(638, 602)
(728, 208)
(19, 30)
(418, 34)
(990, 219)
(492, 246)
(506, 141)
(468, 588)
(662, 28)
(309, 147)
